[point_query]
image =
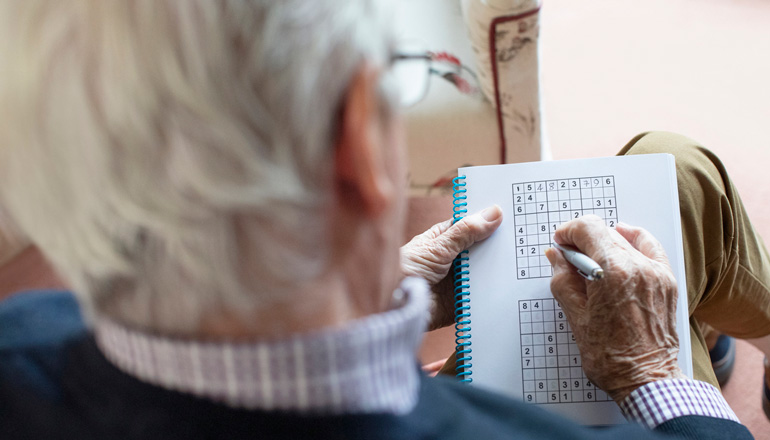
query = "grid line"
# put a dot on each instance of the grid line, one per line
(540, 206)
(551, 364)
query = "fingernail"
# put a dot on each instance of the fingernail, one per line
(491, 213)
(549, 254)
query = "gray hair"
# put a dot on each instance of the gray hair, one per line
(151, 147)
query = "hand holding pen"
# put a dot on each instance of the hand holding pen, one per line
(629, 314)
(586, 267)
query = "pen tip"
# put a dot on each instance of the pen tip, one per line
(598, 274)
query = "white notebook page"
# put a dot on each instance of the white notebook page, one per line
(521, 345)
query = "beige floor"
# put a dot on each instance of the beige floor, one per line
(614, 68)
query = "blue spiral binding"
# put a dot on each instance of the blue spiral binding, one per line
(461, 291)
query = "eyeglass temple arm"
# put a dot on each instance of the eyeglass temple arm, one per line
(410, 56)
(461, 83)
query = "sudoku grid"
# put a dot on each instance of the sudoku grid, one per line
(551, 364)
(539, 207)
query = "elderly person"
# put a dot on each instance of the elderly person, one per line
(221, 183)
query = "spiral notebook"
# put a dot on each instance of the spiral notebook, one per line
(512, 336)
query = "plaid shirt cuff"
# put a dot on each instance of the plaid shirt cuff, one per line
(660, 401)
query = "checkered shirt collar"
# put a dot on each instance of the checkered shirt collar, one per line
(367, 366)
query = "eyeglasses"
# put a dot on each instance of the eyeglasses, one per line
(413, 70)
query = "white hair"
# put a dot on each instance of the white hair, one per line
(150, 147)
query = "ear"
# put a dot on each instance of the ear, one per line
(362, 181)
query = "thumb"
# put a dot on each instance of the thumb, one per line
(470, 230)
(567, 286)
(643, 242)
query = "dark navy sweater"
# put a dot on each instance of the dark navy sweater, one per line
(55, 383)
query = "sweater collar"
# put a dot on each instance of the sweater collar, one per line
(365, 366)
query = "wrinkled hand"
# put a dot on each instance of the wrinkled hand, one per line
(625, 323)
(430, 255)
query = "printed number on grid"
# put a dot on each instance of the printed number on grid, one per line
(539, 207)
(551, 365)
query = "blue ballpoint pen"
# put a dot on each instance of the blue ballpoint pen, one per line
(587, 267)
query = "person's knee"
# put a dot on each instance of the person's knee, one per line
(655, 142)
(693, 161)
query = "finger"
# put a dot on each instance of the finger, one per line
(415, 248)
(432, 369)
(567, 286)
(589, 234)
(437, 229)
(644, 242)
(470, 230)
